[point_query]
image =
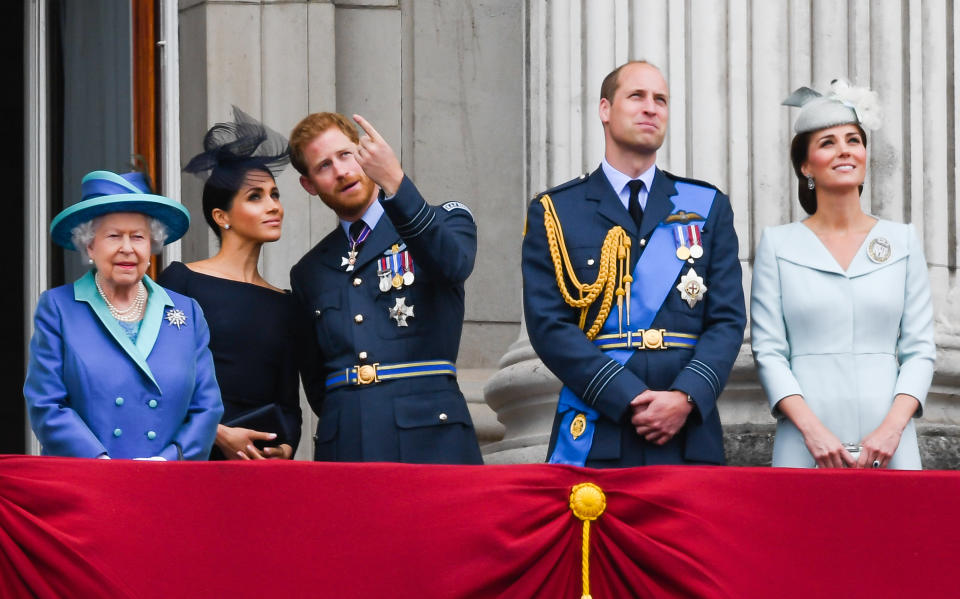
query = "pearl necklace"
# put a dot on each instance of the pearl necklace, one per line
(134, 311)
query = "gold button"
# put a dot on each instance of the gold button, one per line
(443, 417)
(363, 355)
(358, 318)
(356, 282)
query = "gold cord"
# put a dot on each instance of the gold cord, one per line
(587, 502)
(613, 277)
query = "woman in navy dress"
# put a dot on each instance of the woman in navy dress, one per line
(250, 319)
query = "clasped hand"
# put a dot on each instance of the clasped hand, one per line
(659, 415)
(237, 443)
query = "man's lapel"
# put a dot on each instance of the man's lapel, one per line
(659, 204)
(609, 205)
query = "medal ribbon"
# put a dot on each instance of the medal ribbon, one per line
(680, 236)
(407, 262)
(658, 269)
(395, 264)
(364, 232)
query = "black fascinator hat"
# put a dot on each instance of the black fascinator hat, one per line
(239, 146)
(230, 151)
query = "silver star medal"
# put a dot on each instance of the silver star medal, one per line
(401, 312)
(349, 260)
(176, 317)
(691, 288)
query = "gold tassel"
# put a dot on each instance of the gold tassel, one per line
(614, 253)
(587, 502)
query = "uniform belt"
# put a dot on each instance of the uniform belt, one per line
(646, 339)
(368, 374)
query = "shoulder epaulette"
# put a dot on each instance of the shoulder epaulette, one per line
(691, 181)
(571, 183)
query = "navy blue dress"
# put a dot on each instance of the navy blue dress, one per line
(251, 328)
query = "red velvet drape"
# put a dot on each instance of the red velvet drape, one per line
(89, 528)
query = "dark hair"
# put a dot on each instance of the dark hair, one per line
(798, 155)
(221, 187)
(612, 81)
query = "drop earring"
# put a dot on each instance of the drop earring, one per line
(810, 184)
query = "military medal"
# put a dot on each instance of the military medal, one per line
(680, 237)
(408, 277)
(879, 250)
(696, 242)
(691, 288)
(384, 274)
(401, 312)
(350, 260)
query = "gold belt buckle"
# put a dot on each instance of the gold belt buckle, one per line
(367, 374)
(653, 338)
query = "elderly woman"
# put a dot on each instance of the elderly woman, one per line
(251, 321)
(842, 323)
(119, 366)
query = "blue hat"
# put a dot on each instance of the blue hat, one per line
(105, 192)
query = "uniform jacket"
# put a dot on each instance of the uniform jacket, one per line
(344, 316)
(90, 390)
(588, 208)
(847, 341)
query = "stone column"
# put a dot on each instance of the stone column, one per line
(729, 65)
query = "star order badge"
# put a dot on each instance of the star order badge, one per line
(691, 288)
(401, 312)
(176, 317)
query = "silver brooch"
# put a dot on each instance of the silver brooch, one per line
(176, 317)
(879, 250)
(691, 288)
(401, 312)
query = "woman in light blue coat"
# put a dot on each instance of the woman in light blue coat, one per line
(841, 315)
(119, 366)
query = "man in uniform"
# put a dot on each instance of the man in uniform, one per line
(381, 302)
(633, 294)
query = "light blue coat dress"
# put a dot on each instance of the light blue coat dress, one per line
(90, 390)
(847, 341)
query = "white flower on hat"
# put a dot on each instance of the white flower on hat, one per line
(865, 102)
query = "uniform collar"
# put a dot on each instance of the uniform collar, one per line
(371, 217)
(619, 182)
(85, 290)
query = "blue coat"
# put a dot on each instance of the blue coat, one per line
(91, 391)
(588, 208)
(345, 322)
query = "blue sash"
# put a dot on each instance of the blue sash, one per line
(657, 270)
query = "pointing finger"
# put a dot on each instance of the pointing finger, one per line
(367, 127)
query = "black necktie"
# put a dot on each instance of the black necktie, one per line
(356, 230)
(634, 204)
